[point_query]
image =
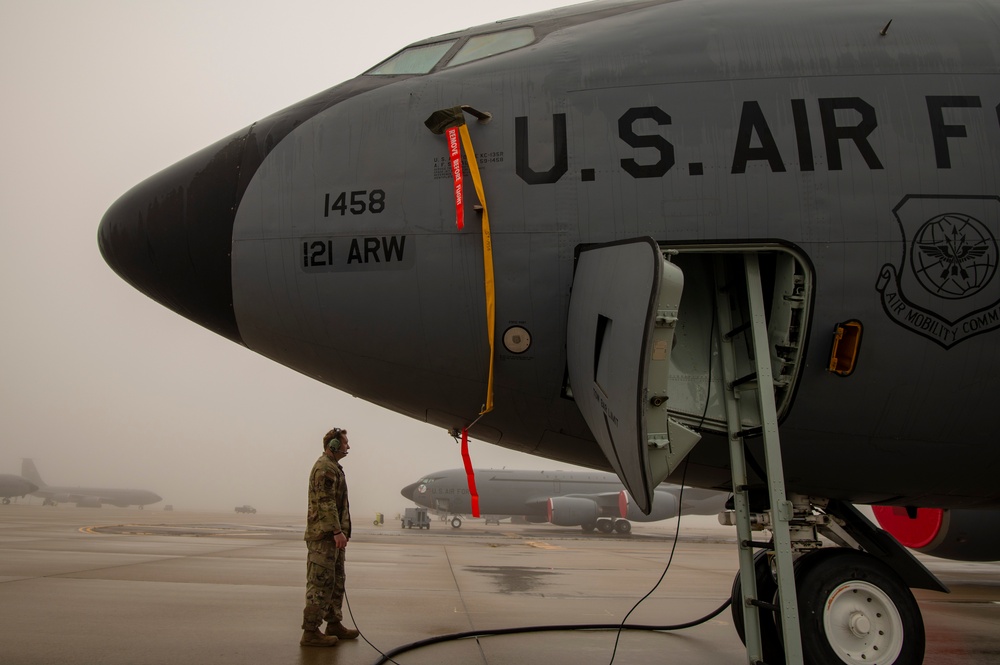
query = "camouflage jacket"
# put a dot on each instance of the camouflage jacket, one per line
(329, 509)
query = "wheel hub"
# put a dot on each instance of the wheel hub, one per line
(862, 624)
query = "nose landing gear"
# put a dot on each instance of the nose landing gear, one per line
(854, 607)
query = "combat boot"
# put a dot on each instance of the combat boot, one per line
(341, 631)
(314, 638)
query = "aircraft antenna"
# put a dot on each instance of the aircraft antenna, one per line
(885, 30)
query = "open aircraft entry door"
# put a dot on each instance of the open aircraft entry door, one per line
(622, 315)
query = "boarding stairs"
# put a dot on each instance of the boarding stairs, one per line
(750, 413)
(623, 311)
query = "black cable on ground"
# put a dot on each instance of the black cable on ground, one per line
(670, 560)
(388, 657)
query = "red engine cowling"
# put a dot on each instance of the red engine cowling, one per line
(963, 535)
(572, 511)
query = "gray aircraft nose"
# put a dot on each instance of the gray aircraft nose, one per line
(410, 490)
(171, 235)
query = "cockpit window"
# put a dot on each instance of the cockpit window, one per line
(482, 46)
(415, 60)
(423, 59)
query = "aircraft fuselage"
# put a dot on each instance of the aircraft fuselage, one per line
(324, 237)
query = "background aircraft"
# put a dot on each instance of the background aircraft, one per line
(11, 485)
(592, 500)
(85, 497)
(823, 183)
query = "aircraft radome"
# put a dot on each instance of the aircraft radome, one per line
(677, 197)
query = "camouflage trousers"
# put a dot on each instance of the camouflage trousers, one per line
(324, 584)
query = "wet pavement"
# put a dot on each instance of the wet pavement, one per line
(123, 586)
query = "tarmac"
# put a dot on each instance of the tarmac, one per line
(127, 586)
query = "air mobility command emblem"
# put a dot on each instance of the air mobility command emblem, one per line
(945, 286)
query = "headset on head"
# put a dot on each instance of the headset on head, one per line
(335, 442)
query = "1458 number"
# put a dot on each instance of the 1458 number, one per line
(355, 203)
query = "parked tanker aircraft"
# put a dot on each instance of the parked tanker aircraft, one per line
(85, 497)
(588, 499)
(673, 199)
(13, 486)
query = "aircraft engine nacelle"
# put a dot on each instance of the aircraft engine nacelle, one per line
(664, 507)
(963, 535)
(572, 511)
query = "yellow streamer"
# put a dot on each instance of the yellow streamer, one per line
(470, 156)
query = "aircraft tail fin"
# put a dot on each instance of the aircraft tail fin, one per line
(29, 472)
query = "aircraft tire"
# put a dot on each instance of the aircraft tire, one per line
(456, 522)
(770, 635)
(588, 527)
(6, 501)
(605, 525)
(624, 527)
(855, 609)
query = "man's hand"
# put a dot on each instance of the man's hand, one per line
(340, 540)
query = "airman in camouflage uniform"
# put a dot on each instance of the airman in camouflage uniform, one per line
(328, 530)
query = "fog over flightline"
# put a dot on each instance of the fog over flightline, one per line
(101, 385)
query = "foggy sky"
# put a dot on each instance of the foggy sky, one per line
(101, 385)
